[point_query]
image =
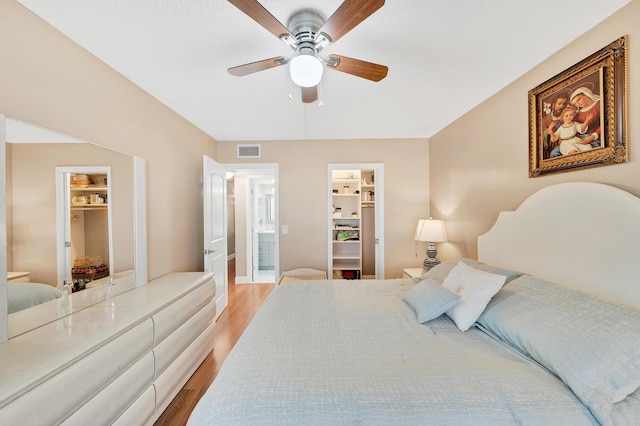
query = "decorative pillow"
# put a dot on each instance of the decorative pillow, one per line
(430, 300)
(475, 287)
(591, 344)
(440, 272)
(627, 411)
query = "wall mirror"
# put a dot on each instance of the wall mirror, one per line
(270, 207)
(39, 166)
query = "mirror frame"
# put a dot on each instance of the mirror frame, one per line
(4, 308)
(140, 221)
(140, 261)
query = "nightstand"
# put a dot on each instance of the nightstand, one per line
(412, 272)
(18, 276)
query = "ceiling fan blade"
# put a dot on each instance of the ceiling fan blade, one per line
(262, 16)
(363, 69)
(309, 94)
(347, 16)
(252, 67)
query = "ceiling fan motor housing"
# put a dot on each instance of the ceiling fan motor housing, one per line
(304, 25)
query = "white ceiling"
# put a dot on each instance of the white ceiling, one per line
(444, 58)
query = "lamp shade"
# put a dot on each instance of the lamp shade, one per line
(430, 230)
(306, 70)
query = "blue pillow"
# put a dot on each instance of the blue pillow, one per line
(440, 272)
(430, 300)
(593, 345)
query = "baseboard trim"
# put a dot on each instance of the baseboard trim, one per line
(242, 280)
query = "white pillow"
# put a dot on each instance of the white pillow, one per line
(455, 279)
(476, 288)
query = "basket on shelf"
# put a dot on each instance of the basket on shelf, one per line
(88, 268)
(346, 274)
(351, 274)
(80, 180)
(87, 261)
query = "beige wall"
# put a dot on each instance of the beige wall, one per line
(50, 81)
(479, 164)
(304, 193)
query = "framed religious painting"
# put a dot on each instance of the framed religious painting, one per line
(577, 119)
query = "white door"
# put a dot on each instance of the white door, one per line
(378, 171)
(215, 228)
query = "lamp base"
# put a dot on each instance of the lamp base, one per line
(430, 262)
(431, 259)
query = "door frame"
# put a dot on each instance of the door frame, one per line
(254, 181)
(253, 170)
(378, 172)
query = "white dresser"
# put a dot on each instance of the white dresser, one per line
(120, 361)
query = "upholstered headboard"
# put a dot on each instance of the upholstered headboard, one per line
(582, 235)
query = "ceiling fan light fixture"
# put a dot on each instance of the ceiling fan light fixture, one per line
(306, 70)
(308, 32)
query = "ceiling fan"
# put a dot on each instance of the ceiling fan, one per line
(307, 32)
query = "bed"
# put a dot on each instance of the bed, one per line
(543, 329)
(23, 295)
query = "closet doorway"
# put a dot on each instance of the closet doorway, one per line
(84, 228)
(254, 221)
(356, 221)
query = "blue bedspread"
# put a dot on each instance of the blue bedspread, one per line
(352, 352)
(25, 295)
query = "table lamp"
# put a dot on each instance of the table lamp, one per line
(431, 231)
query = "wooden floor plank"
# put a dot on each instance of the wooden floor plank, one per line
(244, 302)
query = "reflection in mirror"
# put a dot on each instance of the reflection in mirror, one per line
(269, 201)
(263, 188)
(33, 209)
(85, 246)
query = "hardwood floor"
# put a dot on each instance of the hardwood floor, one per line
(244, 302)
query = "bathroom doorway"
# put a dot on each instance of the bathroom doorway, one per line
(253, 225)
(263, 246)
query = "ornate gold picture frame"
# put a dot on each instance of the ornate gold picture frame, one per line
(577, 119)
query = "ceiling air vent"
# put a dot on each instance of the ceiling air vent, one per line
(248, 151)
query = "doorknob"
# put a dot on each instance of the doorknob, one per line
(207, 251)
